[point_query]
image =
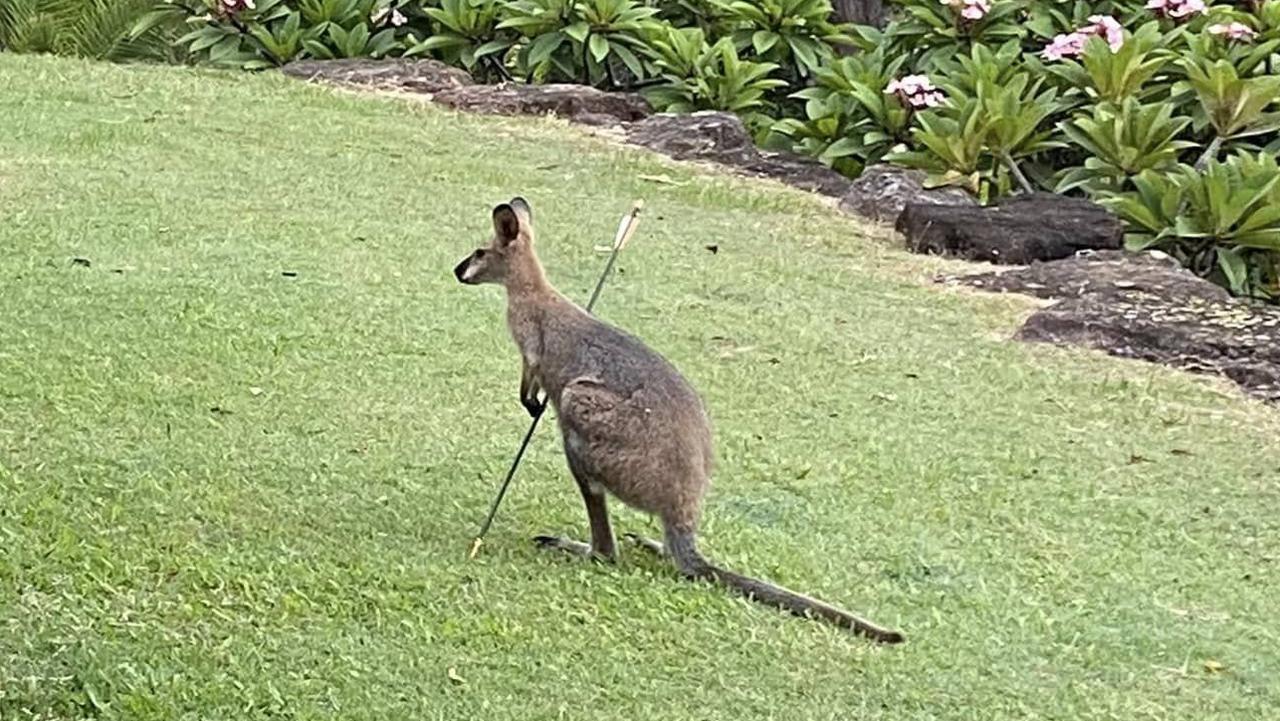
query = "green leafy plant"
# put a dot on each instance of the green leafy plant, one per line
(97, 29)
(268, 33)
(994, 117)
(1122, 140)
(944, 28)
(1015, 112)
(951, 146)
(466, 33)
(279, 43)
(698, 76)
(1223, 223)
(588, 41)
(850, 121)
(708, 16)
(323, 14)
(1046, 18)
(222, 36)
(1249, 55)
(1112, 75)
(356, 42)
(982, 64)
(793, 34)
(1234, 107)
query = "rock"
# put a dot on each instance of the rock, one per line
(882, 191)
(722, 138)
(578, 103)
(1148, 307)
(707, 135)
(799, 172)
(456, 89)
(419, 75)
(1018, 230)
(1101, 275)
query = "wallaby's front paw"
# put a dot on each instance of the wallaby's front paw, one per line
(534, 406)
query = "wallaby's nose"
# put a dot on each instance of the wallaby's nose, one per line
(460, 269)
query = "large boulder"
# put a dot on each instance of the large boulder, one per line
(417, 75)
(882, 191)
(722, 138)
(1148, 307)
(1018, 230)
(579, 103)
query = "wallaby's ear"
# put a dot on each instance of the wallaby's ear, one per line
(506, 225)
(522, 208)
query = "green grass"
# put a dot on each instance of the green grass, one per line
(300, 551)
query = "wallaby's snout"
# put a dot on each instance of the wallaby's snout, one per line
(465, 272)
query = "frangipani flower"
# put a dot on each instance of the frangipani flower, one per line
(917, 91)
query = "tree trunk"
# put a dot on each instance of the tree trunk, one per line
(862, 12)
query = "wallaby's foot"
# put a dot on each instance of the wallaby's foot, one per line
(647, 544)
(889, 637)
(572, 547)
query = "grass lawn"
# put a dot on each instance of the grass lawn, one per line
(230, 492)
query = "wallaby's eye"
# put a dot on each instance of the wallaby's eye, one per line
(479, 253)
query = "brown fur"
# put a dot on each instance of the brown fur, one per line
(632, 425)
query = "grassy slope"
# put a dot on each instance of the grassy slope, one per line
(299, 553)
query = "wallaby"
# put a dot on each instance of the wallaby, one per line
(632, 425)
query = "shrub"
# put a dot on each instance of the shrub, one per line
(1125, 102)
(1222, 222)
(98, 29)
(1130, 102)
(257, 34)
(594, 42)
(466, 33)
(697, 76)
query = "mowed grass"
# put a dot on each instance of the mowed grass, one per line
(231, 493)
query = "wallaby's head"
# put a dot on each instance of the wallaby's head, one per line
(512, 241)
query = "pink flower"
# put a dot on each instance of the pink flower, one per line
(929, 100)
(1072, 45)
(969, 9)
(1177, 9)
(975, 9)
(397, 17)
(1065, 46)
(1108, 28)
(235, 6)
(909, 85)
(1190, 7)
(1233, 31)
(916, 91)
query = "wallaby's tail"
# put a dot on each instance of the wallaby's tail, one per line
(682, 546)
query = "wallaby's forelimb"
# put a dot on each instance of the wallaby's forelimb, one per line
(529, 390)
(682, 545)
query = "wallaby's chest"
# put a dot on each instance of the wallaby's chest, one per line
(526, 325)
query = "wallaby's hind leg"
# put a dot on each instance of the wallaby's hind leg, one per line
(568, 545)
(602, 541)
